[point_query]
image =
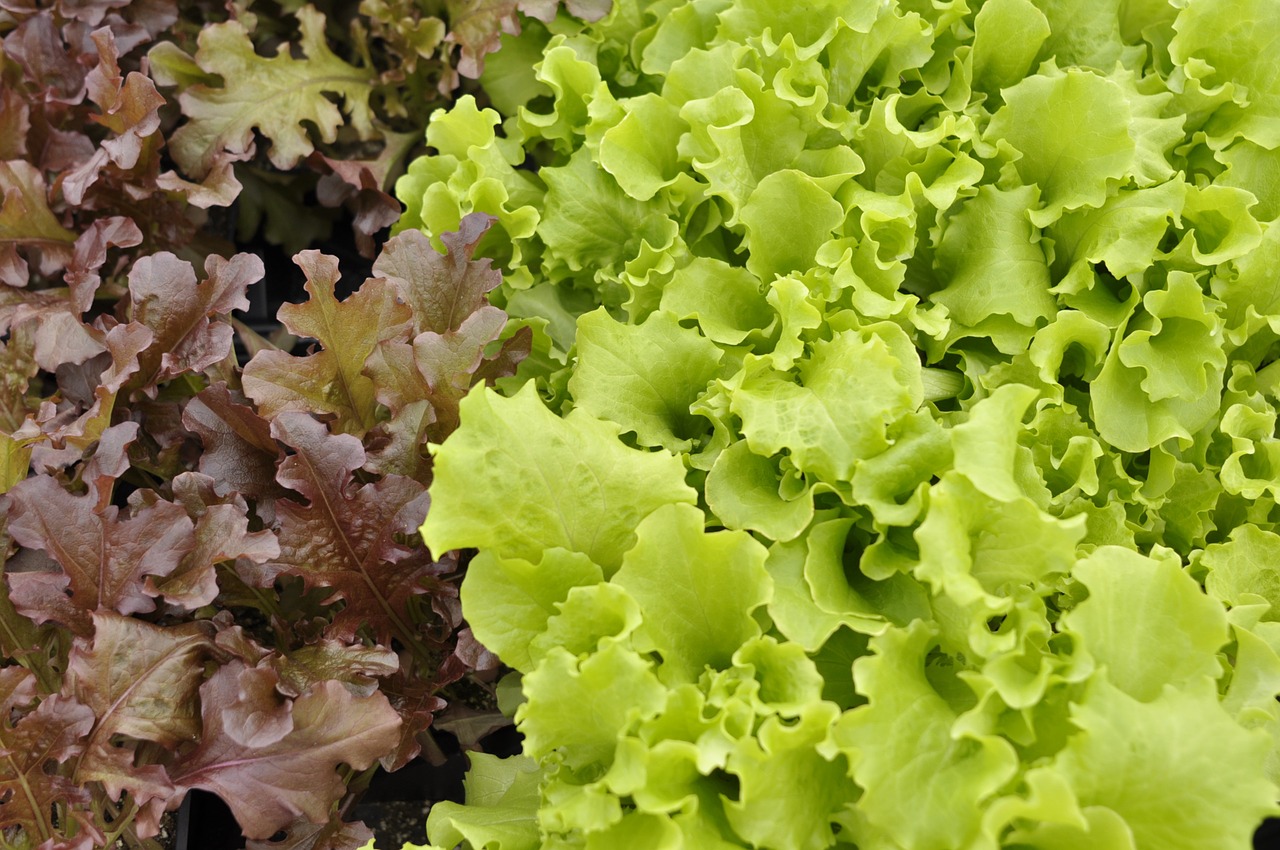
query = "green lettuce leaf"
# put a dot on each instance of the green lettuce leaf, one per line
(1068, 133)
(1133, 598)
(1205, 792)
(645, 377)
(565, 483)
(696, 590)
(924, 783)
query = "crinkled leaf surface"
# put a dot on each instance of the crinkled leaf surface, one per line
(442, 290)
(779, 771)
(1205, 792)
(51, 734)
(239, 450)
(1072, 131)
(104, 558)
(847, 395)
(141, 682)
(567, 483)
(560, 685)
(967, 309)
(923, 783)
(513, 599)
(166, 298)
(1131, 600)
(644, 377)
(696, 590)
(268, 786)
(502, 805)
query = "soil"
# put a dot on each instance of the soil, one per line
(396, 822)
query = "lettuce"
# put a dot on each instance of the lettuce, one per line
(895, 467)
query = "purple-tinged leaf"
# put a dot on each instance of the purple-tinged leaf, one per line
(304, 835)
(61, 338)
(398, 446)
(104, 559)
(239, 451)
(221, 534)
(141, 682)
(359, 185)
(329, 381)
(441, 289)
(344, 538)
(167, 299)
(260, 715)
(82, 275)
(270, 787)
(15, 123)
(52, 733)
(416, 700)
(37, 46)
(355, 666)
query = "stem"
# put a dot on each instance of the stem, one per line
(122, 822)
(356, 787)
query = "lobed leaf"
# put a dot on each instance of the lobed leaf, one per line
(273, 95)
(329, 381)
(345, 537)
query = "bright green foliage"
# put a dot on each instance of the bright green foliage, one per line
(849, 392)
(502, 806)
(997, 278)
(925, 779)
(697, 590)
(1129, 597)
(644, 377)
(1072, 131)
(896, 466)
(565, 483)
(590, 703)
(1177, 770)
(742, 490)
(1246, 568)
(789, 793)
(513, 600)
(1164, 377)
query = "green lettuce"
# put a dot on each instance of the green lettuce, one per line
(896, 467)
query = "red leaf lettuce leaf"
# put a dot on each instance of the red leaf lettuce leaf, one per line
(344, 537)
(268, 787)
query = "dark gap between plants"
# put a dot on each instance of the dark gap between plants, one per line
(1268, 835)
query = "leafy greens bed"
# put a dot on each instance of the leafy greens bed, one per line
(896, 462)
(212, 577)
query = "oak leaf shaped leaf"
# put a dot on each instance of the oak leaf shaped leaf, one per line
(167, 299)
(141, 682)
(442, 290)
(345, 536)
(273, 95)
(330, 380)
(104, 559)
(239, 451)
(51, 733)
(221, 534)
